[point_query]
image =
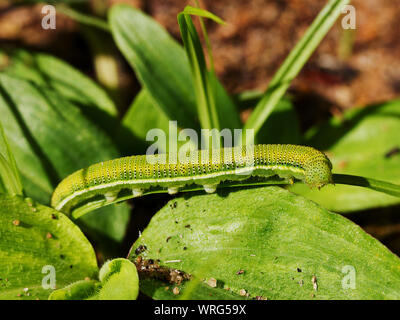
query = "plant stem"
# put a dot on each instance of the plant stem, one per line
(377, 185)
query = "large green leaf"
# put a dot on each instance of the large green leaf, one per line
(363, 143)
(279, 240)
(34, 239)
(49, 71)
(118, 281)
(20, 63)
(142, 116)
(73, 84)
(158, 60)
(51, 138)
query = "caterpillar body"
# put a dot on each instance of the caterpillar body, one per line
(111, 179)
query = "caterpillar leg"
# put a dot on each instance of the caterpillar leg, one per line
(173, 190)
(137, 192)
(210, 188)
(111, 196)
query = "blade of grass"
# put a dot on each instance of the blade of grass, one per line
(221, 101)
(84, 19)
(294, 62)
(202, 13)
(204, 96)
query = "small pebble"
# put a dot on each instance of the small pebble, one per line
(176, 290)
(243, 292)
(212, 282)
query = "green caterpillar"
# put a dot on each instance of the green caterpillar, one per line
(134, 175)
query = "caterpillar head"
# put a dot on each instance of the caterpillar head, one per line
(319, 173)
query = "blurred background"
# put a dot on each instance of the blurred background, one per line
(350, 68)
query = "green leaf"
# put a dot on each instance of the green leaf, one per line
(48, 70)
(74, 85)
(20, 63)
(9, 173)
(35, 238)
(158, 60)
(294, 62)
(359, 144)
(79, 290)
(118, 281)
(50, 139)
(6, 178)
(142, 116)
(370, 183)
(282, 126)
(271, 243)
